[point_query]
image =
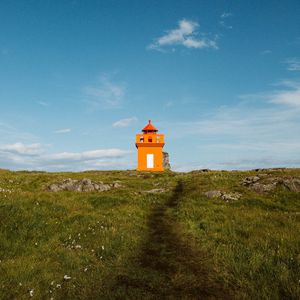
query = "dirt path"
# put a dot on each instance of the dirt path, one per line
(171, 266)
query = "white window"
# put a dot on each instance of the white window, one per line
(150, 161)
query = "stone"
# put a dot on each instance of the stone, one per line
(262, 188)
(117, 185)
(213, 194)
(270, 183)
(226, 196)
(86, 181)
(293, 184)
(232, 196)
(84, 185)
(250, 180)
(166, 161)
(54, 187)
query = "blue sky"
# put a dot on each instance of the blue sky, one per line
(78, 80)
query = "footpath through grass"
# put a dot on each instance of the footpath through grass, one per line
(130, 243)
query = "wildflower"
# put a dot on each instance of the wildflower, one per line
(85, 269)
(31, 293)
(102, 247)
(66, 277)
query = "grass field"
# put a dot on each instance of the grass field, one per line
(128, 243)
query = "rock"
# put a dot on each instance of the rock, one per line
(101, 187)
(117, 185)
(233, 196)
(54, 187)
(250, 180)
(226, 196)
(213, 194)
(84, 185)
(155, 191)
(293, 184)
(270, 183)
(86, 181)
(262, 188)
(166, 161)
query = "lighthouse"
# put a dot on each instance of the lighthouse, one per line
(150, 149)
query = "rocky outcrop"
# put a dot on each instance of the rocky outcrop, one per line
(262, 183)
(226, 196)
(84, 185)
(166, 161)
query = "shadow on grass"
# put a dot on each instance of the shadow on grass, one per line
(169, 266)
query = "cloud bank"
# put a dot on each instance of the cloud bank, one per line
(35, 157)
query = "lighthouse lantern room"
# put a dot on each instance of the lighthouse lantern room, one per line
(150, 145)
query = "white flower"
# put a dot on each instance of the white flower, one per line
(66, 277)
(31, 293)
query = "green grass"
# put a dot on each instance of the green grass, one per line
(128, 244)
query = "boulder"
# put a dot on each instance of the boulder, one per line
(226, 196)
(293, 184)
(262, 188)
(213, 194)
(250, 180)
(232, 196)
(270, 183)
(84, 185)
(166, 161)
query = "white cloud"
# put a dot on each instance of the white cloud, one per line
(289, 95)
(22, 149)
(107, 94)
(64, 130)
(88, 155)
(185, 35)
(35, 157)
(125, 122)
(293, 64)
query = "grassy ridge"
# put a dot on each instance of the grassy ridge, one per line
(127, 243)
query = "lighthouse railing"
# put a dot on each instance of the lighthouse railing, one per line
(150, 138)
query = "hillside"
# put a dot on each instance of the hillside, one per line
(130, 235)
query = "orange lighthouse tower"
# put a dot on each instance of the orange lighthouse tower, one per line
(150, 145)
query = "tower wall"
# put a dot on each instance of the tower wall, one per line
(145, 150)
